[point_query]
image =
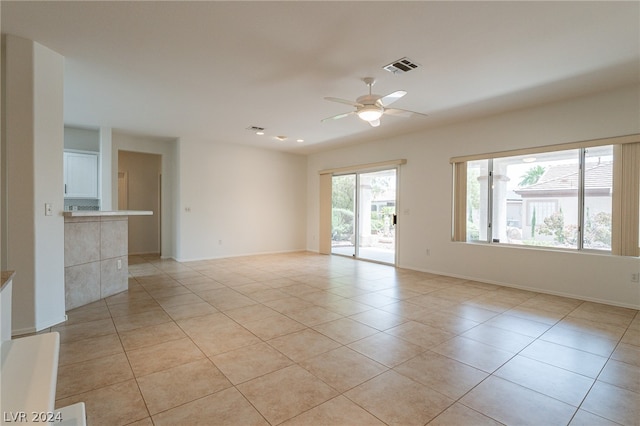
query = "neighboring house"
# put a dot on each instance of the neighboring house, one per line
(557, 190)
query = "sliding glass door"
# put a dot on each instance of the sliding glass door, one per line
(343, 215)
(364, 215)
(377, 216)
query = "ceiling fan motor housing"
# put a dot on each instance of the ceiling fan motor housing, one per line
(371, 107)
(370, 99)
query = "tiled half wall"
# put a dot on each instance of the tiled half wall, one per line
(95, 258)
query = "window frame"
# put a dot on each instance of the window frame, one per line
(625, 214)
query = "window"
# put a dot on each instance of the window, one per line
(553, 197)
(598, 191)
(477, 176)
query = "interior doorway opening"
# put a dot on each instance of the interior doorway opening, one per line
(140, 188)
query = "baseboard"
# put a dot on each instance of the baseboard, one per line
(20, 332)
(528, 288)
(230, 256)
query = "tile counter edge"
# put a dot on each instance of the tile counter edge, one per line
(6, 277)
(85, 213)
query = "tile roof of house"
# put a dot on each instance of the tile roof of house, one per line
(566, 176)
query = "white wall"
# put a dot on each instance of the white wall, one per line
(425, 197)
(167, 148)
(105, 148)
(81, 139)
(33, 142)
(237, 200)
(49, 186)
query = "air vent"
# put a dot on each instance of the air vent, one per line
(255, 129)
(401, 66)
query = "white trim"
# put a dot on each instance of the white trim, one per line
(579, 297)
(364, 167)
(617, 140)
(229, 256)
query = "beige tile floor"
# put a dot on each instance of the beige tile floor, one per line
(304, 339)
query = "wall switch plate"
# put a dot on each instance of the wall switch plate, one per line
(48, 209)
(119, 264)
(635, 278)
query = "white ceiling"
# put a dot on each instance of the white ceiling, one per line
(211, 69)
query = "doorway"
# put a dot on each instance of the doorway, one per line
(139, 188)
(123, 191)
(363, 215)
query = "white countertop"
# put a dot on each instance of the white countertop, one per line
(85, 213)
(29, 374)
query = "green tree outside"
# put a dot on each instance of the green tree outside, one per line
(531, 176)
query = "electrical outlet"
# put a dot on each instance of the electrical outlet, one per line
(635, 277)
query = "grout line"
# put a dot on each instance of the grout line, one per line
(300, 270)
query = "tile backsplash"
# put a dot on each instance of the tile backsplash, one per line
(81, 204)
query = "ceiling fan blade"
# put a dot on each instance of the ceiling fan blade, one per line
(344, 101)
(375, 123)
(339, 116)
(403, 112)
(385, 101)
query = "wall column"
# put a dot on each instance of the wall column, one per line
(106, 202)
(33, 143)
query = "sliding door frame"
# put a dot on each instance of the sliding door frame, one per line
(326, 182)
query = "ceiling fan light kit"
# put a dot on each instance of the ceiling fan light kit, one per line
(370, 113)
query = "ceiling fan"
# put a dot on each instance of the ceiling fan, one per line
(371, 107)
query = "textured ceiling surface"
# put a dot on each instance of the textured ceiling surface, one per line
(209, 70)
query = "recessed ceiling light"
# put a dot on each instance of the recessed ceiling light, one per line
(281, 138)
(529, 159)
(260, 133)
(300, 140)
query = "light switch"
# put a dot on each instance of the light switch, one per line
(48, 209)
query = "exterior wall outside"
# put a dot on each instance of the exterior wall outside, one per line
(569, 206)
